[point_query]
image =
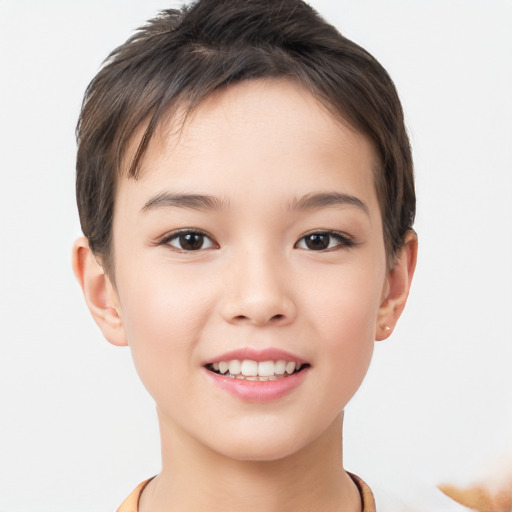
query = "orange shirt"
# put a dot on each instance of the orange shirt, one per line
(131, 504)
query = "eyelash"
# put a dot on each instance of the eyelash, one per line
(342, 240)
(184, 232)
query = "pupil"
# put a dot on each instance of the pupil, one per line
(191, 241)
(317, 242)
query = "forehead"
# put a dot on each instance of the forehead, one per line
(270, 135)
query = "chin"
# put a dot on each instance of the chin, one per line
(265, 452)
(261, 445)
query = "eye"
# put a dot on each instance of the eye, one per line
(323, 241)
(189, 240)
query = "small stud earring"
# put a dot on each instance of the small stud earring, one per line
(386, 328)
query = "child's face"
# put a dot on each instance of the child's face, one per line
(248, 277)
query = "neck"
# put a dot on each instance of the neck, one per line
(194, 477)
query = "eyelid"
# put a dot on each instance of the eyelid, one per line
(345, 240)
(173, 235)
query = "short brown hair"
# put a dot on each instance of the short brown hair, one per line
(182, 56)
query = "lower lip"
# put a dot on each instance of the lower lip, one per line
(256, 391)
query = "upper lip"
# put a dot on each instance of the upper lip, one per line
(259, 355)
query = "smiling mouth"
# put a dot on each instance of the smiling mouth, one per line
(263, 371)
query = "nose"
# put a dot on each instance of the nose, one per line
(258, 291)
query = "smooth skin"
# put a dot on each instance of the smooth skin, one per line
(288, 253)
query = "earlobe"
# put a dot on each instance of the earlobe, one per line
(99, 293)
(397, 287)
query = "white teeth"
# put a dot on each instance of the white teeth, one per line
(249, 368)
(252, 370)
(290, 367)
(266, 368)
(235, 367)
(280, 367)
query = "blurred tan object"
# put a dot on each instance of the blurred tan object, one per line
(492, 491)
(480, 497)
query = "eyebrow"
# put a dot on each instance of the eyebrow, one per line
(311, 201)
(191, 201)
(315, 201)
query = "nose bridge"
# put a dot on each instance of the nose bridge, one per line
(258, 291)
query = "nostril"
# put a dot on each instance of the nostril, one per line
(259, 316)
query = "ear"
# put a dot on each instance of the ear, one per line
(99, 293)
(397, 287)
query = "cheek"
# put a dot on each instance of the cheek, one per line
(346, 302)
(350, 334)
(345, 324)
(162, 317)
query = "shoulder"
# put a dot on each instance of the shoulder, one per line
(367, 498)
(131, 504)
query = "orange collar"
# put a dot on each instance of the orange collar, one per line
(131, 504)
